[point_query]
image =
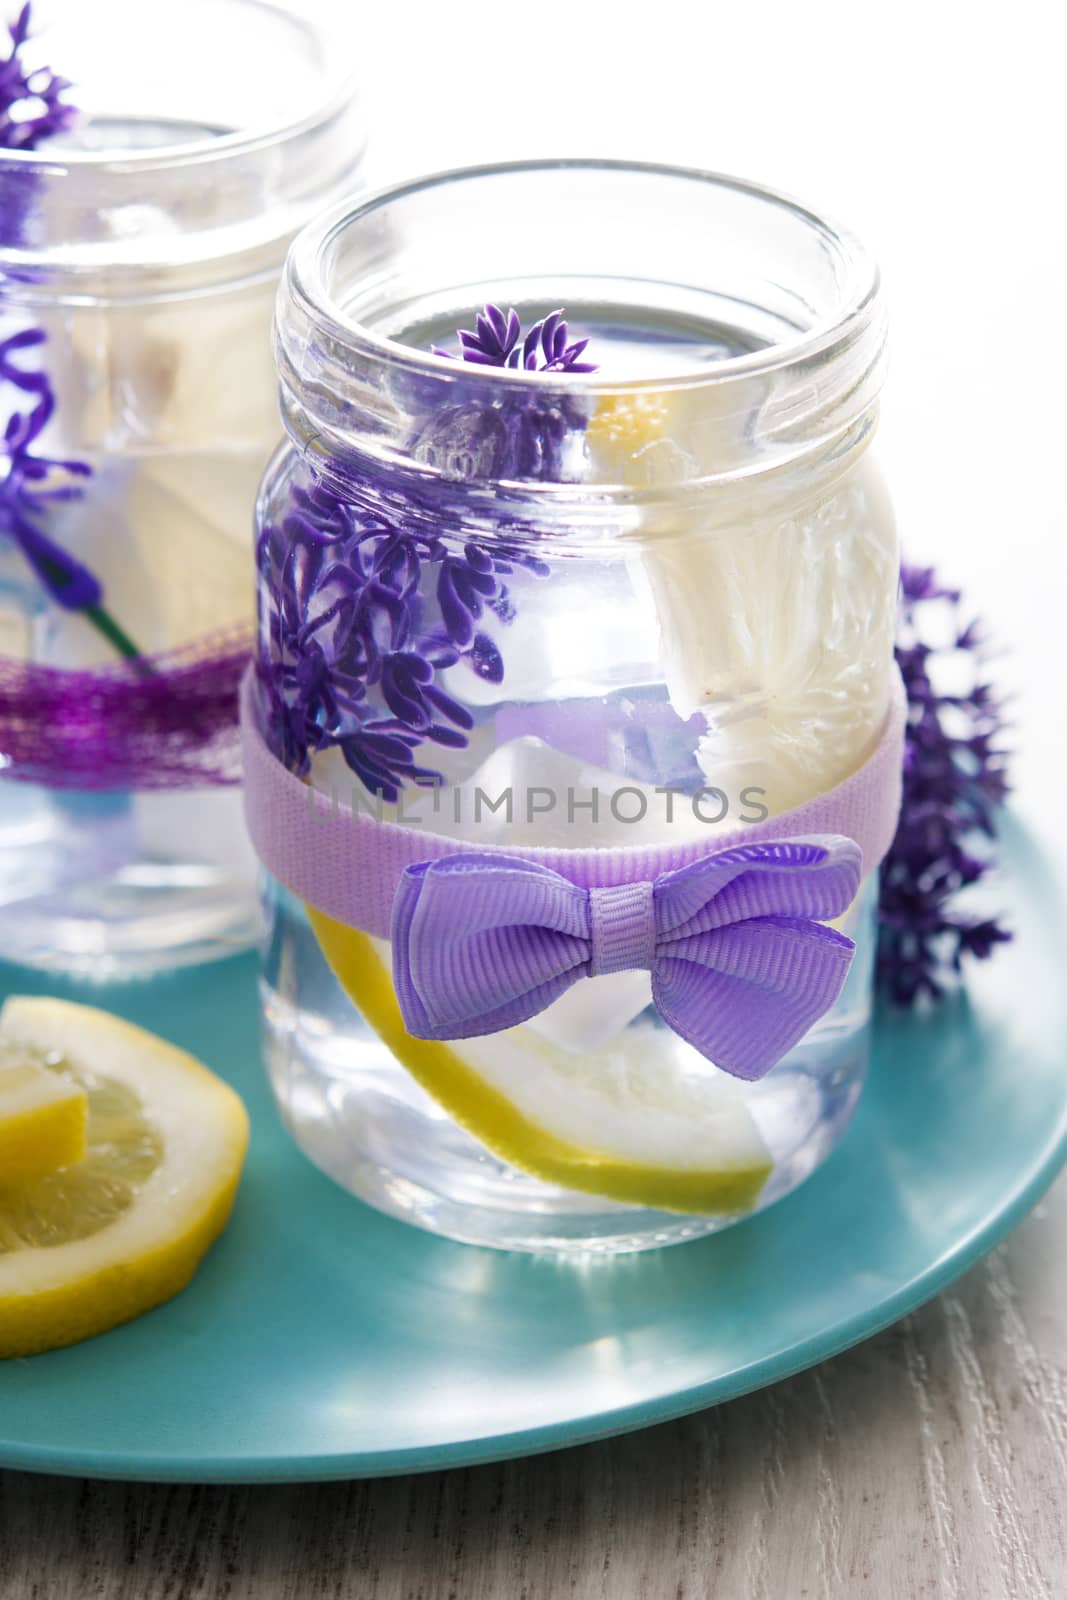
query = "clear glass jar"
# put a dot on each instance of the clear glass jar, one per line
(649, 603)
(146, 243)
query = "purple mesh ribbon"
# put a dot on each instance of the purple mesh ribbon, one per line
(166, 721)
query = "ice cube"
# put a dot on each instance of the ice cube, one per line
(575, 633)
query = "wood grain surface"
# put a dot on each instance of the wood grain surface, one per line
(930, 1461)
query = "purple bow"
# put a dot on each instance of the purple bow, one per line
(741, 964)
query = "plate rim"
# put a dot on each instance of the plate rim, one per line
(1022, 846)
(485, 1449)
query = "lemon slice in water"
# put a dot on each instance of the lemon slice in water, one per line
(89, 1245)
(628, 1121)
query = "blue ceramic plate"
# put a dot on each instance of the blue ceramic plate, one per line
(321, 1340)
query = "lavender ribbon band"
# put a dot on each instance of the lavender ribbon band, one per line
(741, 963)
(349, 864)
(167, 721)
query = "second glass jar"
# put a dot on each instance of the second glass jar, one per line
(141, 246)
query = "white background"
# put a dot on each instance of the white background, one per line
(937, 132)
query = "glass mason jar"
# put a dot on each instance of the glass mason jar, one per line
(636, 608)
(145, 243)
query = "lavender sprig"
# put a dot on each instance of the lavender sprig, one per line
(31, 484)
(498, 341)
(367, 608)
(365, 611)
(954, 779)
(25, 494)
(525, 434)
(38, 91)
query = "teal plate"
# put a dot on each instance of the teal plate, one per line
(321, 1340)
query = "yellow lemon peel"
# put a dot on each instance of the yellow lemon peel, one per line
(87, 1247)
(447, 1073)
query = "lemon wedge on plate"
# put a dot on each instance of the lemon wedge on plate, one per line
(43, 1119)
(626, 1121)
(96, 1242)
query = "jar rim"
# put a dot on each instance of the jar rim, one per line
(130, 219)
(342, 88)
(307, 279)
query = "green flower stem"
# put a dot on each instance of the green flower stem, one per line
(117, 637)
(105, 624)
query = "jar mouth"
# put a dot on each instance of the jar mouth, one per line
(206, 151)
(312, 271)
(735, 329)
(339, 87)
(208, 132)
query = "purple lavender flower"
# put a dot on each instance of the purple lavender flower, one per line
(27, 487)
(517, 436)
(556, 352)
(37, 94)
(349, 653)
(494, 342)
(351, 586)
(954, 779)
(498, 342)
